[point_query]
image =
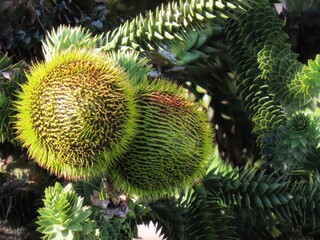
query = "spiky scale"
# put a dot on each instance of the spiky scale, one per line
(65, 37)
(76, 113)
(172, 145)
(168, 35)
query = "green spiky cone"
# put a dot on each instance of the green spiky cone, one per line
(76, 114)
(172, 147)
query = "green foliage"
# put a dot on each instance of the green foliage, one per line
(103, 198)
(188, 43)
(261, 35)
(168, 216)
(263, 109)
(208, 217)
(65, 38)
(112, 229)
(80, 222)
(168, 143)
(268, 196)
(64, 216)
(242, 204)
(192, 45)
(269, 73)
(305, 84)
(295, 141)
(166, 22)
(106, 228)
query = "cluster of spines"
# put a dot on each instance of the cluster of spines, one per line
(59, 93)
(165, 141)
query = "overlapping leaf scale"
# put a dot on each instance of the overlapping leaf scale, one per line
(258, 25)
(208, 218)
(137, 68)
(167, 23)
(292, 83)
(63, 215)
(305, 86)
(168, 217)
(295, 141)
(264, 111)
(107, 230)
(279, 65)
(195, 42)
(266, 195)
(178, 31)
(66, 37)
(200, 214)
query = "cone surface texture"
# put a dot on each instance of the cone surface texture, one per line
(172, 145)
(76, 114)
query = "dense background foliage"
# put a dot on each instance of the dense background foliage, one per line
(257, 199)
